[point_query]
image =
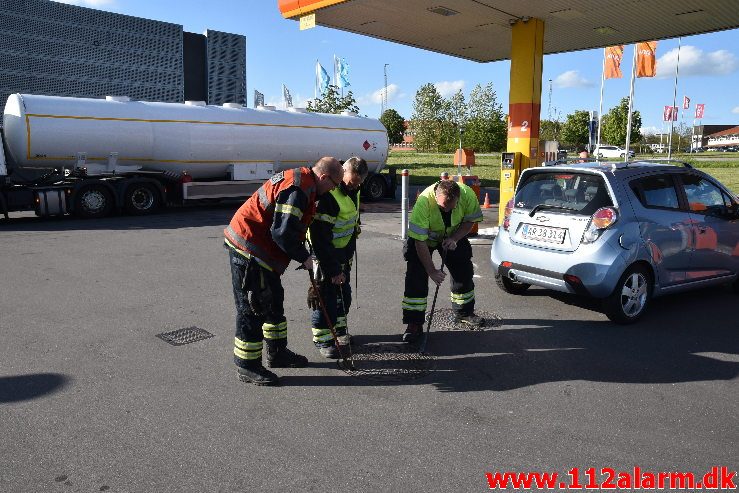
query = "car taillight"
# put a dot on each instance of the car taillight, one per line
(604, 218)
(507, 215)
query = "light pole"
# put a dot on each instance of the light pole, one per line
(384, 91)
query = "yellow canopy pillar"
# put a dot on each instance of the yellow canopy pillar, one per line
(524, 104)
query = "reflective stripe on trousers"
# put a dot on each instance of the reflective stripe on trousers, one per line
(463, 298)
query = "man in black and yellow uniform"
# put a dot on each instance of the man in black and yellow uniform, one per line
(442, 217)
(333, 234)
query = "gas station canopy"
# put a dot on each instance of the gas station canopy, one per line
(480, 30)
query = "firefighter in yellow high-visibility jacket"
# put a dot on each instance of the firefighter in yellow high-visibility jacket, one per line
(333, 235)
(442, 217)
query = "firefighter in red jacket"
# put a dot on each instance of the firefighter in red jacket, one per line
(266, 233)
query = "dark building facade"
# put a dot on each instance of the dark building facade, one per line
(65, 50)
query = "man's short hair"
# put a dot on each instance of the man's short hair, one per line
(357, 165)
(330, 166)
(448, 188)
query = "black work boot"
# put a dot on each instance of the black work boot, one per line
(257, 374)
(469, 319)
(344, 338)
(413, 333)
(279, 356)
(329, 352)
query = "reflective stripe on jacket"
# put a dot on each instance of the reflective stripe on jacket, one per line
(426, 223)
(346, 221)
(250, 229)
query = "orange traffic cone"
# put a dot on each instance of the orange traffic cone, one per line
(486, 204)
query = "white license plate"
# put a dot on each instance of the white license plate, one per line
(543, 233)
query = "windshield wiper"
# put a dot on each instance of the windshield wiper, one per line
(546, 206)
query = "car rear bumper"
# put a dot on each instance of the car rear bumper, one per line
(592, 270)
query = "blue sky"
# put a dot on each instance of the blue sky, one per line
(279, 53)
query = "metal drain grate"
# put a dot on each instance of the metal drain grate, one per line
(389, 362)
(444, 320)
(188, 335)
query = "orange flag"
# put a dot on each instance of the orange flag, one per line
(614, 54)
(646, 59)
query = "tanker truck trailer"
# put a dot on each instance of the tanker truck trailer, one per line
(93, 157)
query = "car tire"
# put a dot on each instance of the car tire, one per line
(510, 286)
(141, 199)
(622, 155)
(93, 201)
(630, 297)
(600, 155)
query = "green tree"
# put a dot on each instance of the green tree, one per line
(486, 128)
(550, 130)
(614, 125)
(394, 124)
(333, 102)
(455, 119)
(574, 131)
(428, 118)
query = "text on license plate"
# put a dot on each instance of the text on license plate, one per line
(543, 233)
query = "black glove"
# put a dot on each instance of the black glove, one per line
(313, 300)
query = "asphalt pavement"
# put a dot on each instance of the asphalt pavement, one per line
(92, 400)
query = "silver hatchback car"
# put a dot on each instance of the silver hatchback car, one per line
(622, 232)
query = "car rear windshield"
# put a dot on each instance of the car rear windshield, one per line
(581, 193)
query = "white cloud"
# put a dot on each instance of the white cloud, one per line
(735, 110)
(693, 61)
(88, 3)
(650, 130)
(571, 78)
(393, 93)
(448, 88)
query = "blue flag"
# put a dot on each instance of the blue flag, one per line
(322, 80)
(342, 73)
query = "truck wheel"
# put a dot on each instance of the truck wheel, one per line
(510, 286)
(93, 201)
(376, 188)
(141, 199)
(630, 297)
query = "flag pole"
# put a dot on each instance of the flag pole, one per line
(600, 107)
(631, 105)
(674, 96)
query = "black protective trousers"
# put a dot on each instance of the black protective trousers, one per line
(259, 299)
(337, 300)
(457, 262)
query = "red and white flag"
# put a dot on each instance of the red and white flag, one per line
(699, 111)
(670, 114)
(686, 102)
